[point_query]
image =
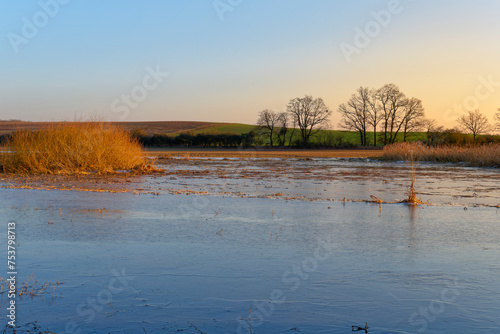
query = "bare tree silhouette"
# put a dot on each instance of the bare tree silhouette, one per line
(474, 122)
(309, 114)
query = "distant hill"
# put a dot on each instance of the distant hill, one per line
(170, 127)
(231, 128)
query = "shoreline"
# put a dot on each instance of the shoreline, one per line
(265, 152)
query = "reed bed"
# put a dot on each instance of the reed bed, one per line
(73, 148)
(479, 155)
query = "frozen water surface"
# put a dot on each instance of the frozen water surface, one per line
(204, 263)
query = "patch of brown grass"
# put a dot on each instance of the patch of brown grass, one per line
(73, 148)
(480, 155)
(289, 153)
(412, 194)
(31, 287)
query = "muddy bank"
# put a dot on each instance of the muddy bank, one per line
(264, 153)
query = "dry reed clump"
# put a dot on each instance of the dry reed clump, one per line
(73, 148)
(31, 287)
(412, 194)
(411, 153)
(479, 155)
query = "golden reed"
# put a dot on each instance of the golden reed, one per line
(73, 148)
(479, 155)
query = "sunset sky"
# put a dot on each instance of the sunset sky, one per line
(227, 60)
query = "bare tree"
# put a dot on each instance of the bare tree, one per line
(292, 132)
(413, 116)
(309, 114)
(282, 122)
(368, 107)
(351, 120)
(429, 125)
(267, 123)
(356, 113)
(382, 95)
(474, 122)
(391, 102)
(374, 117)
(497, 119)
(433, 131)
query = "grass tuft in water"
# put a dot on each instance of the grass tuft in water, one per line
(412, 194)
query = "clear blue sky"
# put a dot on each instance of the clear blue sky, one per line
(87, 54)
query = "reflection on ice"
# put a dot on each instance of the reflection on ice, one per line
(315, 265)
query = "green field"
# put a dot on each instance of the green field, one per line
(174, 128)
(336, 135)
(353, 137)
(223, 128)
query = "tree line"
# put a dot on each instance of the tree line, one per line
(306, 115)
(385, 108)
(367, 110)
(201, 140)
(385, 112)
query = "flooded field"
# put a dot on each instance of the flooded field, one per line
(258, 245)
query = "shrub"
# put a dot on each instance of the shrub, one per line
(73, 148)
(201, 139)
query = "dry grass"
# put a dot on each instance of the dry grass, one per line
(29, 328)
(412, 197)
(261, 153)
(2, 281)
(31, 287)
(483, 155)
(73, 148)
(412, 194)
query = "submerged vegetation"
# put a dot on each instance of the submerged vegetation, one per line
(73, 148)
(31, 287)
(478, 155)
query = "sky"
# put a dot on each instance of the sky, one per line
(226, 60)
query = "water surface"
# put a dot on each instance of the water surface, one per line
(161, 262)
